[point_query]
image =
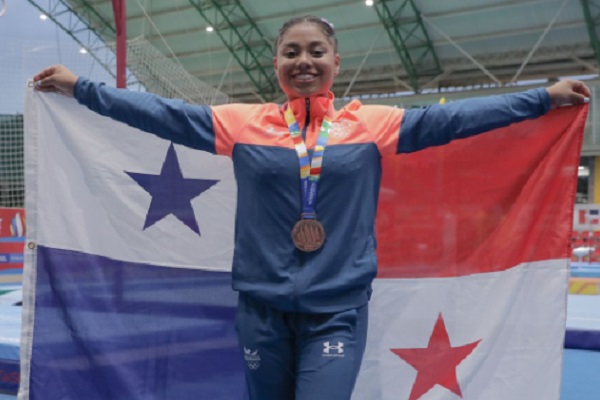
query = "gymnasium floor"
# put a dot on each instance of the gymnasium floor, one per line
(581, 368)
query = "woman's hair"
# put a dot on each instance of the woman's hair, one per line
(325, 26)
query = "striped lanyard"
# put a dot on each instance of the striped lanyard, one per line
(310, 170)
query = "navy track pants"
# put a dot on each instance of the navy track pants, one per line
(300, 356)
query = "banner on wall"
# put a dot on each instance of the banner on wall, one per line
(12, 241)
(586, 217)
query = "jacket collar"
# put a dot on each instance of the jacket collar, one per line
(319, 107)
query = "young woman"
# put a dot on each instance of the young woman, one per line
(304, 244)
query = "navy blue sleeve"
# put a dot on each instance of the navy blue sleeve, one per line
(174, 120)
(437, 124)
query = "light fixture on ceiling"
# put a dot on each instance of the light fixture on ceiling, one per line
(369, 2)
(83, 51)
(209, 29)
(43, 17)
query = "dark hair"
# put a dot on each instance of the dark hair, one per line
(325, 26)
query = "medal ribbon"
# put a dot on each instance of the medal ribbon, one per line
(310, 170)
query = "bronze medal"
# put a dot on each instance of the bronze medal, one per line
(308, 235)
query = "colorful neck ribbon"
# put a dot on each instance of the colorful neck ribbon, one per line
(310, 170)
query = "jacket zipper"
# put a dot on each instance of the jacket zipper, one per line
(306, 120)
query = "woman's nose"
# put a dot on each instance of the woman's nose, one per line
(304, 58)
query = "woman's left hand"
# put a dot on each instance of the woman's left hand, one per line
(568, 92)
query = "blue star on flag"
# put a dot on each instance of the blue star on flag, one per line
(171, 192)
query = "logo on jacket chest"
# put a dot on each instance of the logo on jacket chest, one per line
(341, 128)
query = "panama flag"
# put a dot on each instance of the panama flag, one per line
(129, 246)
(127, 291)
(470, 298)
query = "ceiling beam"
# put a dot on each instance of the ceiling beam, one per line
(591, 12)
(476, 9)
(384, 79)
(513, 57)
(410, 39)
(78, 25)
(281, 15)
(252, 58)
(462, 50)
(315, 10)
(590, 66)
(437, 43)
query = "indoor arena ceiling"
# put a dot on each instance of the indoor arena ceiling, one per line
(388, 47)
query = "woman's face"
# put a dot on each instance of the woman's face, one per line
(306, 62)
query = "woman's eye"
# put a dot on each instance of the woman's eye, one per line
(290, 53)
(317, 53)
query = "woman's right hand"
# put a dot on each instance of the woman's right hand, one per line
(57, 79)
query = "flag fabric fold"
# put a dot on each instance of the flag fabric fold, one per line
(127, 289)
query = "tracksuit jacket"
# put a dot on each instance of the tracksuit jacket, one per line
(266, 265)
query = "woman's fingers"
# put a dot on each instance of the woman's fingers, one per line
(57, 79)
(568, 92)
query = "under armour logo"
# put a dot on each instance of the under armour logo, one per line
(327, 348)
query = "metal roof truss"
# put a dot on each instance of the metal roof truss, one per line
(404, 25)
(244, 40)
(75, 20)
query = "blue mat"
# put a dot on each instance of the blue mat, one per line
(581, 371)
(10, 334)
(585, 270)
(583, 323)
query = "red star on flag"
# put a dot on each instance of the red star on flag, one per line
(436, 364)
